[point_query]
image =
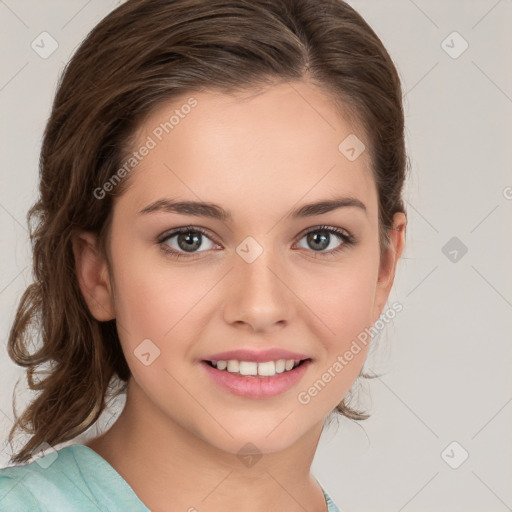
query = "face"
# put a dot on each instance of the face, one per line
(269, 274)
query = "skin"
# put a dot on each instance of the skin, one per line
(258, 156)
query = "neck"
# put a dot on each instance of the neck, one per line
(163, 463)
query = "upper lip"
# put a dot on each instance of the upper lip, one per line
(257, 356)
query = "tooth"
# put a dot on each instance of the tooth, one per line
(248, 368)
(233, 366)
(280, 366)
(268, 368)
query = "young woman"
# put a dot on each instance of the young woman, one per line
(220, 219)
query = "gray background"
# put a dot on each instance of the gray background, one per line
(446, 357)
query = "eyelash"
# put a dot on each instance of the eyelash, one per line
(345, 236)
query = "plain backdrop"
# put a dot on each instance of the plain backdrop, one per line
(439, 435)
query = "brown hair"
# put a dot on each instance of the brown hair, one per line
(145, 53)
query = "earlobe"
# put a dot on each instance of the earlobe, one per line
(93, 278)
(389, 262)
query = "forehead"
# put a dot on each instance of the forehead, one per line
(257, 150)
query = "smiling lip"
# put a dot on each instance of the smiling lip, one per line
(252, 386)
(261, 356)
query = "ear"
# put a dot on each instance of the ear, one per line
(388, 263)
(93, 278)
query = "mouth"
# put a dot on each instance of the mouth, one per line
(257, 369)
(256, 380)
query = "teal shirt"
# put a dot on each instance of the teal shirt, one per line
(73, 479)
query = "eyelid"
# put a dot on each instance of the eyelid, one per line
(324, 227)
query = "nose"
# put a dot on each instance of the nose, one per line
(257, 296)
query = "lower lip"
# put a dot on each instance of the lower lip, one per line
(252, 386)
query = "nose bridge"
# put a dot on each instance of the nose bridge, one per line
(257, 295)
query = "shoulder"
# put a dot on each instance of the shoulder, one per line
(51, 483)
(72, 479)
(14, 496)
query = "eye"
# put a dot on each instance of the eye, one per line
(185, 241)
(327, 239)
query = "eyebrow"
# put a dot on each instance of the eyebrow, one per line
(203, 209)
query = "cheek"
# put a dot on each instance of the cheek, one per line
(162, 305)
(343, 296)
(159, 301)
(345, 305)
(152, 302)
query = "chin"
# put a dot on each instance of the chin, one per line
(257, 437)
